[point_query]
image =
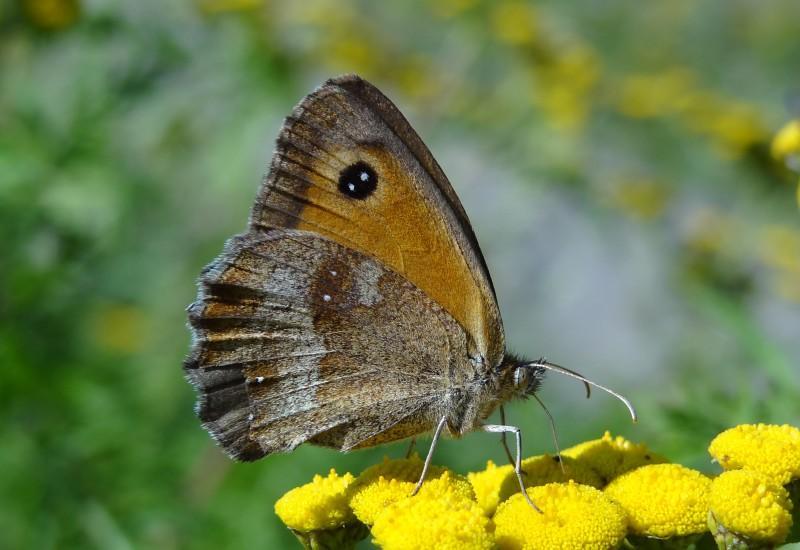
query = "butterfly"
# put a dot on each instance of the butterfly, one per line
(357, 309)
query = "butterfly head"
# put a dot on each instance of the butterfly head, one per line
(523, 376)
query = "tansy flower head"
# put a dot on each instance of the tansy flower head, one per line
(769, 449)
(544, 469)
(442, 515)
(391, 481)
(662, 500)
(612, 456)
(493, 485)
(573, 516)
(496, 483)
(321, 504)
(749, 505)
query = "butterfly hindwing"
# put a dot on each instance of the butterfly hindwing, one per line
(299, 338)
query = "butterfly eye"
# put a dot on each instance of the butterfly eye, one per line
(358, 180)
(520, 377)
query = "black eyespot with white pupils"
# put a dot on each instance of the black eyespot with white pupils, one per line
(358, 180)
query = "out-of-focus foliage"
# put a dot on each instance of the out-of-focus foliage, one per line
(614, 157)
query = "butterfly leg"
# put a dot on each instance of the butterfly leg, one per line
(428, 458)
(505, 442)
(503, 436)
(411, 447)
(494, 428)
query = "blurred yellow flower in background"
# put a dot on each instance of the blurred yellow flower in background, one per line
(780, 250)
(751, 505)
(644, 199)
(119, 328)
(216, 7)
(766, 448)
(785, 148)
(565, 84)
(654, 94)
(733, 126)
(514, 22)
(611, 456)
(662, 500)
(573, 516)
(451, 8)
(52, 15)
(786, 142)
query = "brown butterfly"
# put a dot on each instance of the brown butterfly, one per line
(357, 309)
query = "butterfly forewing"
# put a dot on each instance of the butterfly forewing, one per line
(411, 221)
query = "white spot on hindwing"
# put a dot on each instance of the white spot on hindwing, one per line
(259, 379)
(326, 297)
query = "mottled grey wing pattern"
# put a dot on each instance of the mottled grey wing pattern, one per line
(297, 338)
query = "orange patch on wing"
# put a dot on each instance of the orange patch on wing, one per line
(395, 226)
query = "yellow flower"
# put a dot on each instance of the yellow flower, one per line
(544, 469)
(644, 199)
(442, 515)
(514, 22)
(321, 504)
(656, 94)
(393, 480)
(496, 483)
(767, 448)
(565, 86)
(52, 14)
(493, 485)
(573, 516)
(612, 456)
(662, 500)
(750, 505)
(787, 141)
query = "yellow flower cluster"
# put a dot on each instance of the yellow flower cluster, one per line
(733, 126)
(595, 495)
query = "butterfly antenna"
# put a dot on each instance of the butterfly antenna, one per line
(545, 364)
(552, 430)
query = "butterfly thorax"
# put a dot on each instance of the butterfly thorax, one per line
(470, 406)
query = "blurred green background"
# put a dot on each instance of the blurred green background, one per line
(614, 157)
